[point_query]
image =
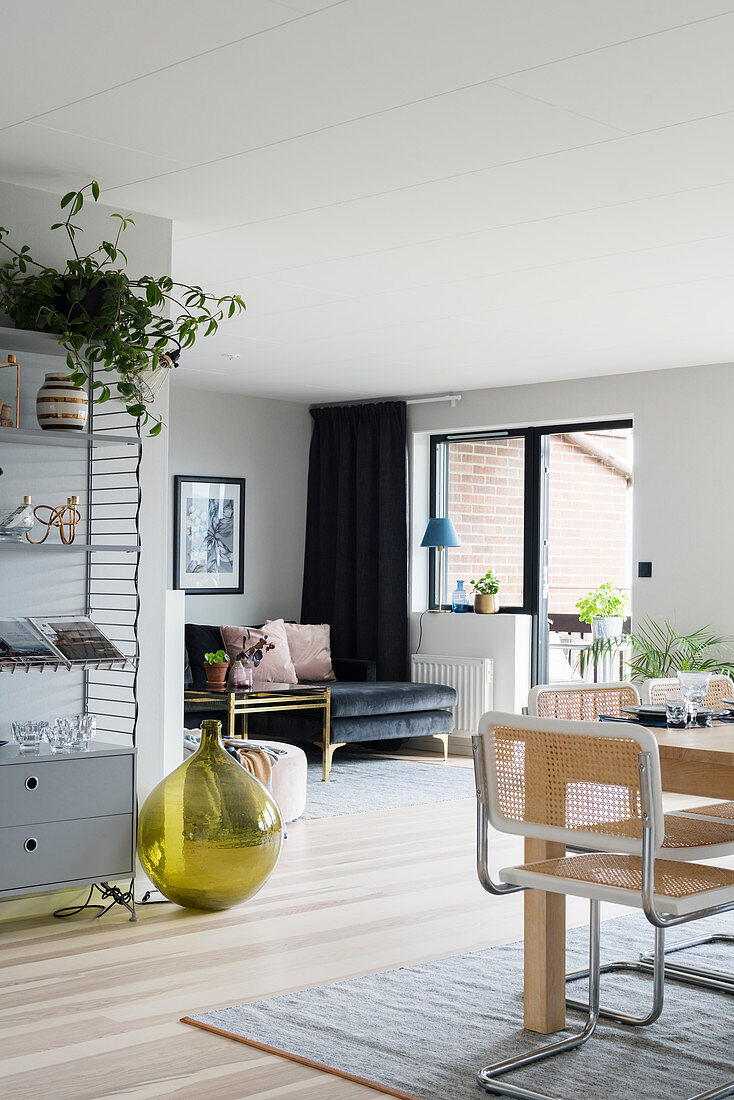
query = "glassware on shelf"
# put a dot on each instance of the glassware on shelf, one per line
(30, 735)
(693, 688)
(13, 526)
(460, 600)
(61, 735)
(73, 734)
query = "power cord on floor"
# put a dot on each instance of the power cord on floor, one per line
(106, 890)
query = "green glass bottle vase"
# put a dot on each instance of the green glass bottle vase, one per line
(210, 834)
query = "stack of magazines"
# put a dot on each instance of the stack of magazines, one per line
(57, 641)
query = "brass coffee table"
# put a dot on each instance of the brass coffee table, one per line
(269, 700)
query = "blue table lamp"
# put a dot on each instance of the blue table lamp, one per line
(440, 533)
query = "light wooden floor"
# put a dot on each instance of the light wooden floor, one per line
(91, 1010)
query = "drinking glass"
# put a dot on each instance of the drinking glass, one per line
(693, 688)
(675, 713)
(29, 735)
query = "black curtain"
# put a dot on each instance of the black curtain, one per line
(356, 562)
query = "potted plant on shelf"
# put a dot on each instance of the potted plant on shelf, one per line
(485, 594)
(112, 327)
(217, 666)
(604, 610)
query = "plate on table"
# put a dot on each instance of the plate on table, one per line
(653, 714)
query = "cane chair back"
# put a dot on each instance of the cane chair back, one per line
(577, 702)
(573, 782)
(720, 688)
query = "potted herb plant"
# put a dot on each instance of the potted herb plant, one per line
(114, 329)
(604, 610)
(217, 666)
(485, 594)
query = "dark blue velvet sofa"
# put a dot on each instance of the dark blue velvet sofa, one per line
(363, 709)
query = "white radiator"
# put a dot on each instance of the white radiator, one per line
(472, 678)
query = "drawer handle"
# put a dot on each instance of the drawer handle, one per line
(31, 844)
(31, 783)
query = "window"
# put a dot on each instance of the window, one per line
(486, 501)
(548, 510)
(480, 482)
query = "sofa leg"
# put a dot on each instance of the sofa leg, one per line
(327, 754)
(444, 739)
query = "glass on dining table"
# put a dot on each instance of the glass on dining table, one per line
(676, 713)
(693, 688)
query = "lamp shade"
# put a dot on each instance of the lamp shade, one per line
(440, 532)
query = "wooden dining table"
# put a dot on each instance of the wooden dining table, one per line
(698, 761)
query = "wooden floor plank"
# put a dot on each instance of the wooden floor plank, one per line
(90, 1009)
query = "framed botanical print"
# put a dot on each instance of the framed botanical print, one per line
(209, 534)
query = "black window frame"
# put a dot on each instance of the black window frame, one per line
(535, 507)
(439, 485)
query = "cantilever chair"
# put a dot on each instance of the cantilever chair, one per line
(579, 701)
(657, 691)
(589, 784)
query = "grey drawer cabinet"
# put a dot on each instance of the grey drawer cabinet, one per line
(65, 819)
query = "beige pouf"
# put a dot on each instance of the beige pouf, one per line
(289, 779)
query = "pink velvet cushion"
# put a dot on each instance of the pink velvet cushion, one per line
(276, 666)
(310, 647)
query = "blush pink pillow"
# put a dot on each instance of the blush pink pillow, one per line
(276, 666)
(310, 647)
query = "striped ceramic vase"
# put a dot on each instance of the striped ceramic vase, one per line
(60, 404)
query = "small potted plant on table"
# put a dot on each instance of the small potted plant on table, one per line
(217, 666)
(485, 594)
(604, 610)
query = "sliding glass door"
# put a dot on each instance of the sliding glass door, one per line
(548, 510)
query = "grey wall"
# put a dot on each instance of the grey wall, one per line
(266, 442)
(683, 457)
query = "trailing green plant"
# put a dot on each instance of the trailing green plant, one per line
(605, 602)
(659, 651)
(218, 658)
(488, 585)
(107, 322)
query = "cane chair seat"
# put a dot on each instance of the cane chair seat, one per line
(680, 888)
(688, 838)
(720, 688)
(716, 811)
(577, 702)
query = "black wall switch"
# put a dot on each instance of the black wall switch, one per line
(644, 569)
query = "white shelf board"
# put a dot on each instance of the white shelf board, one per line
(73, 548)
(49, 437)
(19, 341)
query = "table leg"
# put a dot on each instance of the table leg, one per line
(545, 948)
(231, 715)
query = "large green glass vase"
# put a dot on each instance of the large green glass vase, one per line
(210, 834)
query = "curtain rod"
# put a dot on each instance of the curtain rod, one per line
(452, 397)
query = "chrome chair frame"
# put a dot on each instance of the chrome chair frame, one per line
(488, 1077)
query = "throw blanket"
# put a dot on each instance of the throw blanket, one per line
(257, 762)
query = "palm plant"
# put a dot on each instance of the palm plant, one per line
(659, 651)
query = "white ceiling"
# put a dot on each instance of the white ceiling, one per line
(411, 195)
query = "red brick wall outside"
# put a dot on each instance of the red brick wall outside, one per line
(587, 520)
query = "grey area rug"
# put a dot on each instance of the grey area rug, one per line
(423, 1031)
(361, 782)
